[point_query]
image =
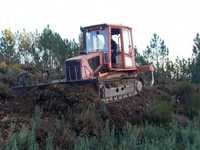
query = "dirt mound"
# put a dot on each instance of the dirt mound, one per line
(57, 98)
(80, 107)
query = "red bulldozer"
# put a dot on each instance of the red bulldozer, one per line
(107, 60)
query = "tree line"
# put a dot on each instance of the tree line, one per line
(157, 53)
(48, 50)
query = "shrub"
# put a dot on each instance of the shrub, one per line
(29, 68)
(15, 68)
(193, 107)
(3, 88)
(195, 103)
(162, 111)
(8, 79)
(188, 98)
(3, 67)
(184, 92)
(145, 136)
(11, 67)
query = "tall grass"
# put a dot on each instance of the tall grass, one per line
(130, 137)
(148, 137)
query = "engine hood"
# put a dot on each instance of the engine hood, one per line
(83, 66)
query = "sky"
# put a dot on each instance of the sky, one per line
(175, 21)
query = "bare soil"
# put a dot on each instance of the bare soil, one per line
(80, 106)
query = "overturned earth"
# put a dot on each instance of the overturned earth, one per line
(79, 106)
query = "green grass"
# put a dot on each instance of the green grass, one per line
(161, 132)
(137, 137)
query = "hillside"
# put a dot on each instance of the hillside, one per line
(66, 114)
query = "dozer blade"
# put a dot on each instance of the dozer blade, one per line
(60, 93)
(58, 96)
(55, 82)
(65, 87)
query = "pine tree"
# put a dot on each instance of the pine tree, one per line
(7, 47)
(157, 53)
(55, 50)
(195, 67)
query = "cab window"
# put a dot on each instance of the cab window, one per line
(96, 41)
(127, 40)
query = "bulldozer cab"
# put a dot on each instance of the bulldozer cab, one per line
(114, 41)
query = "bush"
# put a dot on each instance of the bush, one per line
(188, 98)
(145, 136)
(193, 107)
(184, 92)
(15, 68)
(161, 111)
(3, 88)
(29, 68)
(3, 67)
(195, 102)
